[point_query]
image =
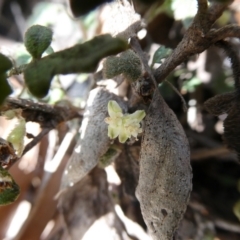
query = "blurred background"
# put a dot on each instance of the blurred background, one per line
(214, 209)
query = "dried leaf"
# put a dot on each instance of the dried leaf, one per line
(80, 58)
(7, 153)
(127, 167)
(231, 129)
(220, 104)
(88, 203)
(94, 141)
(227, 103)
(165, 173)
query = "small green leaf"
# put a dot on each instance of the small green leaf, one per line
(5, 90)
(112, 153)
(16, 136)
(9, 190)
(82, 58)
(191, 84)
(37, 39)
(162, 52)
(6, 63)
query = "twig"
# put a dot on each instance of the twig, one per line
(232, 30)
(219, 153)
(196, 39)
(232, 227)
(36, 140)
(135, 45)
(215, 11)
(179, 94)
(201, 16)
(29, 146)
(48, 116)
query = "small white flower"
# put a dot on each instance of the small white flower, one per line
(122, 125)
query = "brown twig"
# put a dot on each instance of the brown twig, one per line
(36, 140)
(232, 30)
(48, 117)
(197, 38)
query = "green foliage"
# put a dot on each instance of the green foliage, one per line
(82, 58)
(162, 52)
(191, 84)
(128, 64)
(9, 190)
(16, 136)
(6, 64)
(37, 39)
(5, 89)
(112, 153)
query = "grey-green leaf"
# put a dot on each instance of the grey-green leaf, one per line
(165, 180)
(82, 58)
(94, 141)
(9, 190)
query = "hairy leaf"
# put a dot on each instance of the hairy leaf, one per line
(165, 173)
(94, 141)
(82, 58)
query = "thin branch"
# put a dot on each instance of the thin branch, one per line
(185, 108)
(135, 45)
(215, 11)
(200, 18)
(202, 6)
(146, 84)
(227, 31)
(48, 116)
(29, 146)
(36, 140)
(196, 39)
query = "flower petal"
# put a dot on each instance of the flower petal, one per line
(113, 132)
(114, 109)
(138, 115)
(123, 136)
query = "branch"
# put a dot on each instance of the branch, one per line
(36, 140)
(196, 39)
(48, 116)
(201, 16)
(232, 30)
(215, 11)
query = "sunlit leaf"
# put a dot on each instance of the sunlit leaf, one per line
(162, 52)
